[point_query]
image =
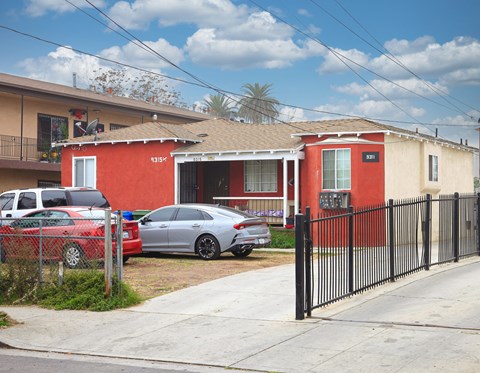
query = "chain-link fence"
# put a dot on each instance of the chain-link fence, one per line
(44, 247)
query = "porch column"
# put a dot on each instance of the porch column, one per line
(296, 184)
(176, 181)
(285, 191)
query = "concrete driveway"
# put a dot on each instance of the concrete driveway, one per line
(428, 322)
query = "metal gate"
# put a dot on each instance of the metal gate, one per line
(349, 251)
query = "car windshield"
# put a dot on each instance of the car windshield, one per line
(88, 198)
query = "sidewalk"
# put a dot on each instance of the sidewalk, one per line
(427, 322)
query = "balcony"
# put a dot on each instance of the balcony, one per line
(23, 153)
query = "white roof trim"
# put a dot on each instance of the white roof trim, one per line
(98, 142)
(238, 152)
(345, 140)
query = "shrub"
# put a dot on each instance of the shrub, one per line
(85, 290)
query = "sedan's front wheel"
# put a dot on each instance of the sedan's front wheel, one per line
(208, 247)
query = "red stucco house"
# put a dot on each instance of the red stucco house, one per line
(265, 168)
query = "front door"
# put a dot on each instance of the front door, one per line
(188, 182)
(216, 178)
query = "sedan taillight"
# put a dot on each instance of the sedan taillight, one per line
(244, 225)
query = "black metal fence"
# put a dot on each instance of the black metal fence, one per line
(343, 253)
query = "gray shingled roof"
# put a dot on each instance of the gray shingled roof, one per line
(220, 135)
(149, 131)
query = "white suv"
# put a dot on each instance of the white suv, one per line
(19, 202)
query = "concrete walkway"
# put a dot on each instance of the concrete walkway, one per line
(428, 322)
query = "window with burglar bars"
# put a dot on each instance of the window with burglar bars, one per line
(50, 129)
(336, 169)
(261, 176)
(432, 168)
(84, 172)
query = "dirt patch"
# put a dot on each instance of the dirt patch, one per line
(159, 274)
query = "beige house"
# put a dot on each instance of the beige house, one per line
(34, 114)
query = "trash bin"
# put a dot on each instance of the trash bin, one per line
(138, 214)
(127, 215)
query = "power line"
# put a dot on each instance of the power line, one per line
(394, 59)
(342, 60)
(222, 91)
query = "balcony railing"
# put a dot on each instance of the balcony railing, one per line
(26, 148)
(270, 208)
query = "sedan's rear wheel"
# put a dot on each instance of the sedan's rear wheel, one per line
(242, 253)
(73, 255)
(207, 247)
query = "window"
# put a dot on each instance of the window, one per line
(27, 201)
(84, 171)
(261, 176)
(162, 214)
(189, 214)
(53, 198)
(6, 201)
(336, 169)
(432, 168)
(50, 129)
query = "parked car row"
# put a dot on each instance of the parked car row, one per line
(202, 229)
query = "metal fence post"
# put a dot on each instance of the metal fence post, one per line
(108, 252)
(478, 223)
(391, 233)
(40, 252)
(119, 240)
(350, 249)
(456, 226)
(426, 236)
(308, 264)
(299, 267)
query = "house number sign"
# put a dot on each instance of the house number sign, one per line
(370, 157)
(158, 159)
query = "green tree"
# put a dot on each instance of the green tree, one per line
(144, 86)
(257, 105)
(220, 106)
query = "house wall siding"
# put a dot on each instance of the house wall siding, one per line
(406, 165)
(367, 178)
(132, 177)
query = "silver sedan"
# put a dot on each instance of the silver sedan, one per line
(207, 230)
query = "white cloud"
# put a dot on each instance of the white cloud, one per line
(333, 60)
(204, 13)
(59, 66)
(290, 114)
(38, 8)
(136, 55)
(304, 12)
(393, 90)
(455, 62)
(400, 47)
(205, 48)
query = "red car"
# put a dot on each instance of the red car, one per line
(71, 234)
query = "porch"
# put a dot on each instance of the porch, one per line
(269, 208)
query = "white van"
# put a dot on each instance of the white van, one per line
(19, 202)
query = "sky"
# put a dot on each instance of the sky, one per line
(413, 64)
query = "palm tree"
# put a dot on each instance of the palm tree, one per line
(257, 105)
(220, 106)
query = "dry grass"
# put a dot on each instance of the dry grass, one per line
(155, 275)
